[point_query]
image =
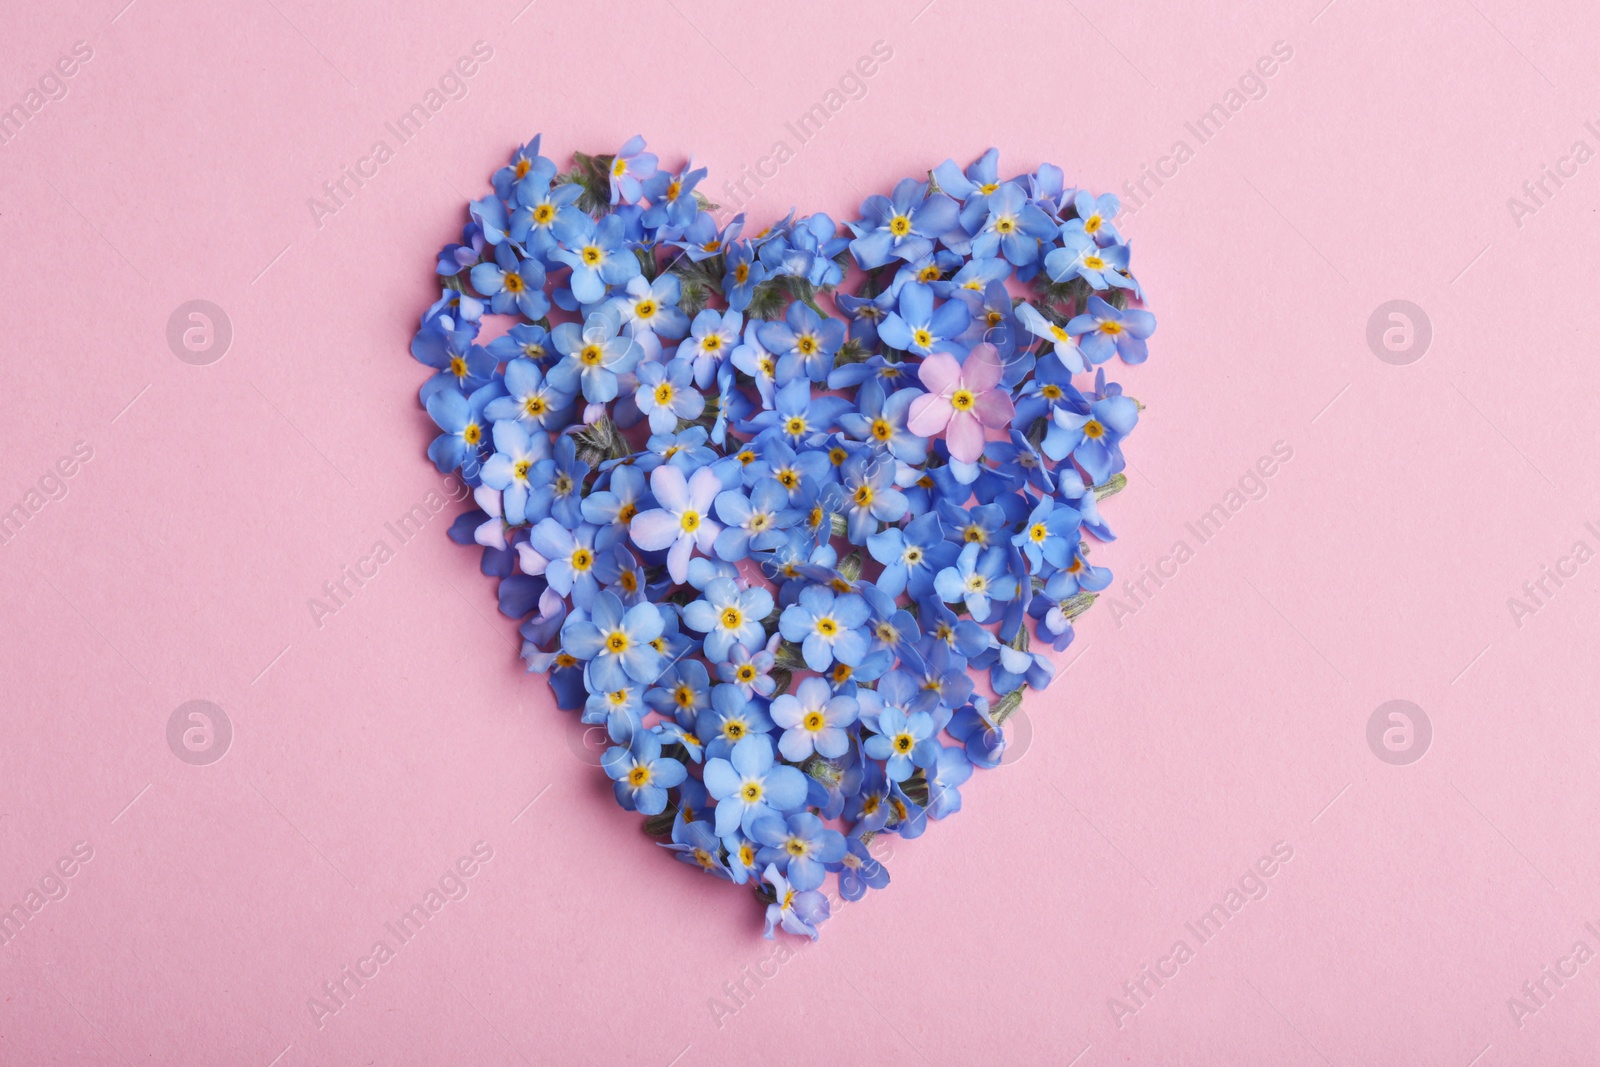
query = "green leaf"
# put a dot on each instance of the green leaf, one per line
(600, 441)
(1114, 485)
(852, 351)
(789, 657)
(660, 825)
(767, 301)
(695, 296)
(1002, 709)
(850, 567)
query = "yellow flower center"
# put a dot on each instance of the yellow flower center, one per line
(582, 559)
(963, 400)
(921, 338)
(900, 225)
(732, 618)
(690, 521)
(617, 641)
(1093, 430)
(593, 255)
(591, 355)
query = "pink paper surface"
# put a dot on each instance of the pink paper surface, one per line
(1200, 724)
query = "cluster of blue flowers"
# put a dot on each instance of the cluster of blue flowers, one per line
(770, 533)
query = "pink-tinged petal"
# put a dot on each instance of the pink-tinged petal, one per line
(940, 372)
(669, 487)
(491, 534)
(983, 368)
(703, 489)
(488, 499)
(705, 535)
(928, 414)
(655, 529)
(529, 560)
(678, 559)
(994, 408)
(965, 437)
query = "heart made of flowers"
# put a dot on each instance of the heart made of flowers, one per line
(784, 513)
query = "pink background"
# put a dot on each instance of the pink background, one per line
(1184, 738)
